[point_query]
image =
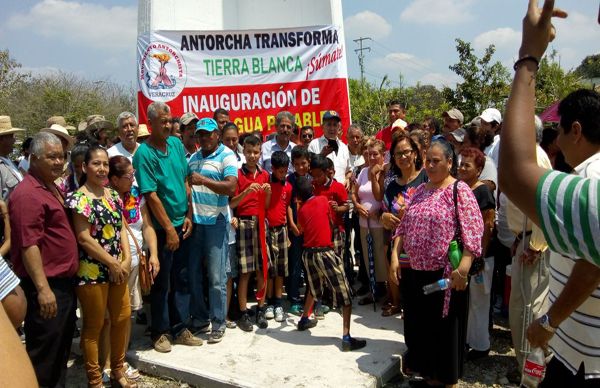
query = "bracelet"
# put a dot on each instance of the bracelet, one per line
(461, 275)
(527, 58)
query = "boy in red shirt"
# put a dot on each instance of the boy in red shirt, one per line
(336, 194)
(321, 262)
(301, 163)
(277, 235)
(251, 199)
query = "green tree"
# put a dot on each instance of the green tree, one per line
(552, 83)
(485, 83)
(11, 78)
(590, 67)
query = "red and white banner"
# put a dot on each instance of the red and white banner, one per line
(253, 74)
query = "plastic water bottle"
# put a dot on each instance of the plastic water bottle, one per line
(454, 254)
(440, 285)
(534, 368)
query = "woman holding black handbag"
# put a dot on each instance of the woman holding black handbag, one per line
(435, 324)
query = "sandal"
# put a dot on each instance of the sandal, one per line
(393, 310)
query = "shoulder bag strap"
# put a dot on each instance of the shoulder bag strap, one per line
(137, 247)
(455, 195)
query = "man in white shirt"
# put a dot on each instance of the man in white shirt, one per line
(331, 146)
(491, 123)
(284, 123)
(127, 127)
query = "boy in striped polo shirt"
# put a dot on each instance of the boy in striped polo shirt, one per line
(213, 179)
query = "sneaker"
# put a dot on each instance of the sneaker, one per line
(187, 338)
(269, 312)
(216, 336)
(295, 309)
(325, 308)
(320, 312)
(261, 319)
(230, 324)
(131, 373)
(279, 316)
(162, 344)
(244, 322)
(306, 324)
(353, 344)
(202, 329)
(106, 376)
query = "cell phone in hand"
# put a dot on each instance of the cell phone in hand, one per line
(333, 145)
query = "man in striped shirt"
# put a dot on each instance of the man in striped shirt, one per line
(213, 179)
(565, 206)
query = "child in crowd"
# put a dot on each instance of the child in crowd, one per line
(251, 199)
(321, 262)
(301, 163)
(322, 171)
(277, 235)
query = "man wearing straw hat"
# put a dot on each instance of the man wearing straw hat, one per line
(10, 175)
(98, 127)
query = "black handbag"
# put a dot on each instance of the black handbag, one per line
(478, 263)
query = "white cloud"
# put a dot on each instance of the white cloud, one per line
(438, 11)
(576, 38)
(365, 24)
(39, 71)
(439, 80)
(399, 62)
(83, 24)
(502, 38)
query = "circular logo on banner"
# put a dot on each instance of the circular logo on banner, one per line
(162, 72)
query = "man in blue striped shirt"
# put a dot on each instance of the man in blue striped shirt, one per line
(213, 179)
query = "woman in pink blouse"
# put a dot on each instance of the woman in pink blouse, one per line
(435, 324)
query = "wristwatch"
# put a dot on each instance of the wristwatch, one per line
(545, 323)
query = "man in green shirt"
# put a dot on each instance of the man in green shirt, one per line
(161, 172)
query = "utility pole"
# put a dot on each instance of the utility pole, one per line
(361, 56)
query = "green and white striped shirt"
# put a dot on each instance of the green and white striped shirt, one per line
(567, 207)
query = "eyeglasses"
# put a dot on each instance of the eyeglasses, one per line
(307, 135)
(403, 154)
(129, 176)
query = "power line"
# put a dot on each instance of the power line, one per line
(361, 55)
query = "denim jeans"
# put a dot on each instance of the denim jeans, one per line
(209, 254)
(170, 314)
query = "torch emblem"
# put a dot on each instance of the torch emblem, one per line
(162, 71)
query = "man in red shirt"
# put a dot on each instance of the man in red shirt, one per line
(44, 255)
(251, 199)
(396, 110)
(321, 262)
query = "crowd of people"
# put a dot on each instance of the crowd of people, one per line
(187, 222)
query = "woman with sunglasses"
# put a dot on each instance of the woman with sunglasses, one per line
(104, 267)
(307, 133)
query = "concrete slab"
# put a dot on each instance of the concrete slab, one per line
(280, 355)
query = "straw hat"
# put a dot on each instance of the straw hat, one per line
(97, 122)
(143, 131)
(60, 120)
(6, 127)
(59, 131)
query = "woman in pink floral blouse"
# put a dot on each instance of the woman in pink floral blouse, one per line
(435, 324)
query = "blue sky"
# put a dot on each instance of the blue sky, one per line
(415, 38)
